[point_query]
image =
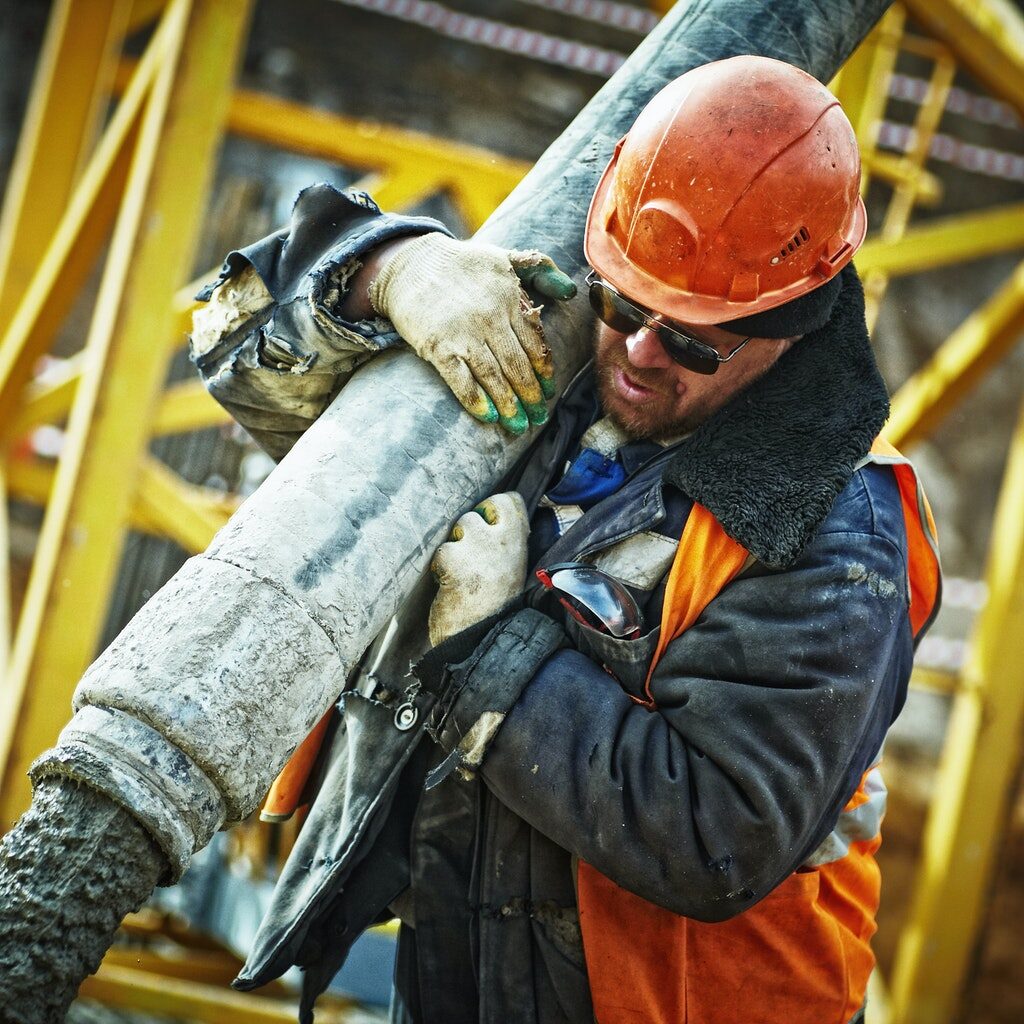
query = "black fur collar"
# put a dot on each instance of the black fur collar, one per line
(771, 463)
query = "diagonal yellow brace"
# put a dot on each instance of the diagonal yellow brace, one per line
(83, 531)
(144, 12)
(359, 143)
(72, 81)
(901, 203)
(165, 505)
(185, 513)
(976, 781)
(964, 358)
(942, 242)
(898, 170)
(82, 231)
(46, 401)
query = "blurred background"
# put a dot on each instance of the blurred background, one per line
(115, 466)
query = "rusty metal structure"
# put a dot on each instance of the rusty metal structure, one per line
(129, 198)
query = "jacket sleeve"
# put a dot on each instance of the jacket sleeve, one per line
(270, 343)
(769, 709)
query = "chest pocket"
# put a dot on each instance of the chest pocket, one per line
(641, 562)
(627, 660)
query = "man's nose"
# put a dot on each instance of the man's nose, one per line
(645, 350)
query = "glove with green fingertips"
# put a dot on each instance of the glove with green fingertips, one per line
(461, 306)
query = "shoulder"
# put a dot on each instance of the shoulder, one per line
(869, 505)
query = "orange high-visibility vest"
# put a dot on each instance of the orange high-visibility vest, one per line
(802, 954)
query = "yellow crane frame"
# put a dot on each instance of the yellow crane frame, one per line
(141, 184)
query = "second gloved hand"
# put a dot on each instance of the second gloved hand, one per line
(461, 306)
(482, 567)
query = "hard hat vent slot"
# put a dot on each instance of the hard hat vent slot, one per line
(803, 235)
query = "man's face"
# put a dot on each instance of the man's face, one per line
(651, 396)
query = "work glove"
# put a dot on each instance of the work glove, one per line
(461, 306)
(482, 567)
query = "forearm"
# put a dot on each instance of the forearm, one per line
(769, 710)
(53, 933)
(356, 304)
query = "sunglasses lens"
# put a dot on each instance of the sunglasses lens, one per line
(611, 310)
(621, 316)
(594, 598)
(690, 354)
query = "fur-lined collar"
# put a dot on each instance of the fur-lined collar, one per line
(771, 463)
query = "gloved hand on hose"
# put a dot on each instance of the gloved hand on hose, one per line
(486, 648)
(482, 567)
(461, 306)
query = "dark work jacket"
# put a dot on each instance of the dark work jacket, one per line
(773, 705)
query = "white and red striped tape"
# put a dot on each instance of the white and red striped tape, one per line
(996, 163)
(496, 35)
(602, 12)
(599, 61)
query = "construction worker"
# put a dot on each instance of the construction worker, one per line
(666, 655)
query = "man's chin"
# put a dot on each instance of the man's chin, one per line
(647, 422)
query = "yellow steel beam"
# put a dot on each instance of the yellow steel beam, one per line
(186, 513)
(126, 988)
(975, 783)
(31, 480)
(364, 144)
(904, 196)
(187, 406)
(934, 680)
(183, 407)
(83, 531)
(475, 201)
(986, 36)
(942, 242)
(144, 12)
(204, 966)
(82, 231)
(898, 170)
(862, 85)
(356, 143)
(398, 189)
(5, 574)
(72, 82)
(46, 400)
(964, 358)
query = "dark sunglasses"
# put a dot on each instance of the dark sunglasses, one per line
(593, 598)
(625, 316)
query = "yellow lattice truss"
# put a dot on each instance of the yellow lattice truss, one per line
(135, 193)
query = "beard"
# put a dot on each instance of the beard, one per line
(658, 418)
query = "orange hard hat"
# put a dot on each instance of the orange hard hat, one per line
(735, 191)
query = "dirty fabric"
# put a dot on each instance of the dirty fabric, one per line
(294, 342)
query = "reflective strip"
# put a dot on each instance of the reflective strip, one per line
(856, 823)
(924, 571)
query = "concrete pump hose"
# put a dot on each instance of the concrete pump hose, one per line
(74, 866)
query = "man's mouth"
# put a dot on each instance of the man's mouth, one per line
(630, 388)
